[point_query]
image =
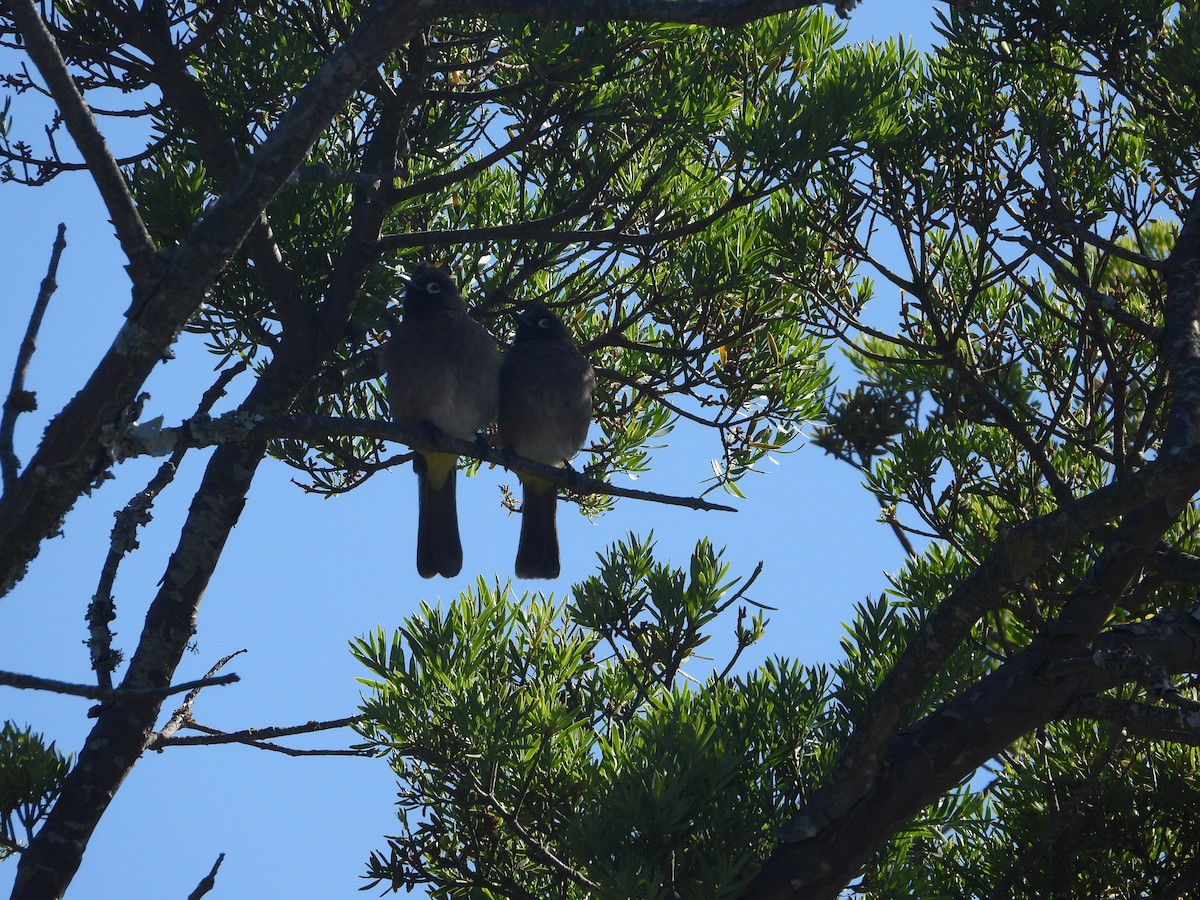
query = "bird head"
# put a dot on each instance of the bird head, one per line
(431, 288)
(536, 322)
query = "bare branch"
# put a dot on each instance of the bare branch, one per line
(118, 738)
(19, 400)
(183, 714)
(33, 682)
(250, 735)
(209, 881)
(320, 173)
(259, 737)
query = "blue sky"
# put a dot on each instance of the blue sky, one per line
(303, 575)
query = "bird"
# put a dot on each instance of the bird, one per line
(546, 389)
(443, 370)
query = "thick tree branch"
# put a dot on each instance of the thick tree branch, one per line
(188, 99)
(1139, 534)
(125, 725)
(545, 230)
(938, 752)
(1175, 565)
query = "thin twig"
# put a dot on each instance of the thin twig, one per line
(183, 714)
(536, 848)
(740, 631)
(33, 682)
(20, 400)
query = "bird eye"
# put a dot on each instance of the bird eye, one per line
(433, 288)
(543, 323)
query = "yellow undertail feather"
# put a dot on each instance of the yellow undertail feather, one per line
(438, 467)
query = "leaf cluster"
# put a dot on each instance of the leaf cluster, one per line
(554, 749)
(31, 775)
(625, 175)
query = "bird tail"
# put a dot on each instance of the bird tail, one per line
(537, 552)
(439, 548)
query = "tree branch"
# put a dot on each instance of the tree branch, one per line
(719, 13)
(19, 400)
(233, 428)
(939, 751)
(118, 738)
(259, 737)
(209, 881)
(94, 692)
(1155, 722)
(183, 713)
(1175, 565)
(1140, 532)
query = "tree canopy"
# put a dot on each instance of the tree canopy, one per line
(971, 274)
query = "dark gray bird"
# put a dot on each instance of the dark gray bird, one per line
(443, 370)
(546, 388)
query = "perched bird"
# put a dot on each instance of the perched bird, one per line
(442, 370)
(546, 388)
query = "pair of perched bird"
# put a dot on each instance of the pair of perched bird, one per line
(443, 369)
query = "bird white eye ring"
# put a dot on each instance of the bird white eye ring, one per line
(543, 323)
(433, 288)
